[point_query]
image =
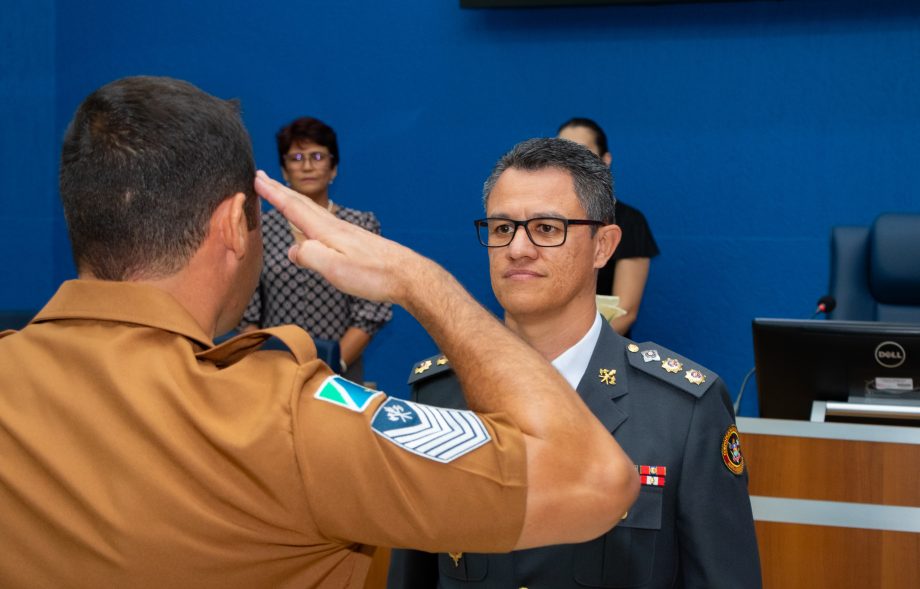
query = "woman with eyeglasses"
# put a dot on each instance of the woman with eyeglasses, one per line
(626, 273)
(308, 152)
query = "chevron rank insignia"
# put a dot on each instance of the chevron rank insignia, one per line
(432, 432)
(342, 392)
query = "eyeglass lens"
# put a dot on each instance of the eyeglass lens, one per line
(314, 157)
(542, 231)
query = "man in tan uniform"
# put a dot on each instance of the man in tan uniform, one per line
(134, 453)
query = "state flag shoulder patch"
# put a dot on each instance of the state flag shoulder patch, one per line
(343, 392)
(435, 433)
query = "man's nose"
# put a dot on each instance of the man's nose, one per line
(521, 245)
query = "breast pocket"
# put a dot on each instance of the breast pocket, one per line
(624, 556)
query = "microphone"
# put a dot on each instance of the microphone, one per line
(826, 304)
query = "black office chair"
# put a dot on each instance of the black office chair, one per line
(875, 271)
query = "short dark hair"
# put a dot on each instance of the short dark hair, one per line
(600, 138)
(591, 177)
(145, 163)
(307, 129)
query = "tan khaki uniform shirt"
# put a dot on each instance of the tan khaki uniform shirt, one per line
(134, 454)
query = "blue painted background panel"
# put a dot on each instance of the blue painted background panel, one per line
(743, 131)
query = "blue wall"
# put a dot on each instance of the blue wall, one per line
(28, 157)
(744, 131)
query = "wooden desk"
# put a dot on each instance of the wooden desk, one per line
(835, 505)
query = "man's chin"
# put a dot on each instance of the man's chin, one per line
(519, 304)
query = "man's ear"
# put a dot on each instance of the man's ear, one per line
(233, 227)
(606, 242)
(607, 158)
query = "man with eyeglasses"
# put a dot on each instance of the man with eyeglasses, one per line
(549, 227)
(136, 453)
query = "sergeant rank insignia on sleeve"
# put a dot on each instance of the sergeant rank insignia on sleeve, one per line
(731, 451)
(431, 432)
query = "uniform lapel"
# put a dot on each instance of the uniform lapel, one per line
(609, 354)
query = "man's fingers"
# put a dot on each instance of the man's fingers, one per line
(352, 259)
(300, 211)
(315, 256)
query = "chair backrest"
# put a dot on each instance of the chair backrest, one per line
(875, 271)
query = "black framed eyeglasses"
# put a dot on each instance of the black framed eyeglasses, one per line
(542, 231)
(314, 157)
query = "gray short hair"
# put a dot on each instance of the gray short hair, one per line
(591, 177)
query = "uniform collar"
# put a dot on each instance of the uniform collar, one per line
(609, 355)
(573, 362)
(122, 302)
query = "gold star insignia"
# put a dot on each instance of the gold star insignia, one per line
(608, 376)
(442, 361)
(673, 366)
(695, 376)
(455, 556)
(423, 367)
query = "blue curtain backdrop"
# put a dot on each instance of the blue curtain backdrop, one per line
(744, 131)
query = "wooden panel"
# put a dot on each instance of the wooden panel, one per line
(814, 557)
(833, 470)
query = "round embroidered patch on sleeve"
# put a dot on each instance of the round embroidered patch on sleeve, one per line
(731, 451)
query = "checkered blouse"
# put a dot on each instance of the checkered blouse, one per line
(288, 294)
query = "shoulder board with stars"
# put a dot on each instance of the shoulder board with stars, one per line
(429, 367)
(670, 367)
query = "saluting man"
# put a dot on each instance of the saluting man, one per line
(549, 228)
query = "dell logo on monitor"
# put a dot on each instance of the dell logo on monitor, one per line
(890, 354)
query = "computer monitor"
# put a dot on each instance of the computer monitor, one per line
(861, 362)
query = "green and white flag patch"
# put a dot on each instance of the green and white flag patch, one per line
(342, 392)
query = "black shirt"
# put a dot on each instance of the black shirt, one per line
(637, 242)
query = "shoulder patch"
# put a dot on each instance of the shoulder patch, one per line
(342, 392)
(429, 367)
(731, 451)
(670, 367)
(431, 432)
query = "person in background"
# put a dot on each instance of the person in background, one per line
(549, 226)
(136, 453)
(627, 271)
(308, 152)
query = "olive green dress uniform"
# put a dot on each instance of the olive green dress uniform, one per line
(691, 525)
(135, 454)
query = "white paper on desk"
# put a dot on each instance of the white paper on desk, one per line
(609, 307)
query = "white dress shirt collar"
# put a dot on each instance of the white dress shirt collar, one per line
(573, 362)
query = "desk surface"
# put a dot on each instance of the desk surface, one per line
(891, 434)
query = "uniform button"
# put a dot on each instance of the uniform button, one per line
(625, 515)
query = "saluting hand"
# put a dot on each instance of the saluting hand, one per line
(352, 259)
